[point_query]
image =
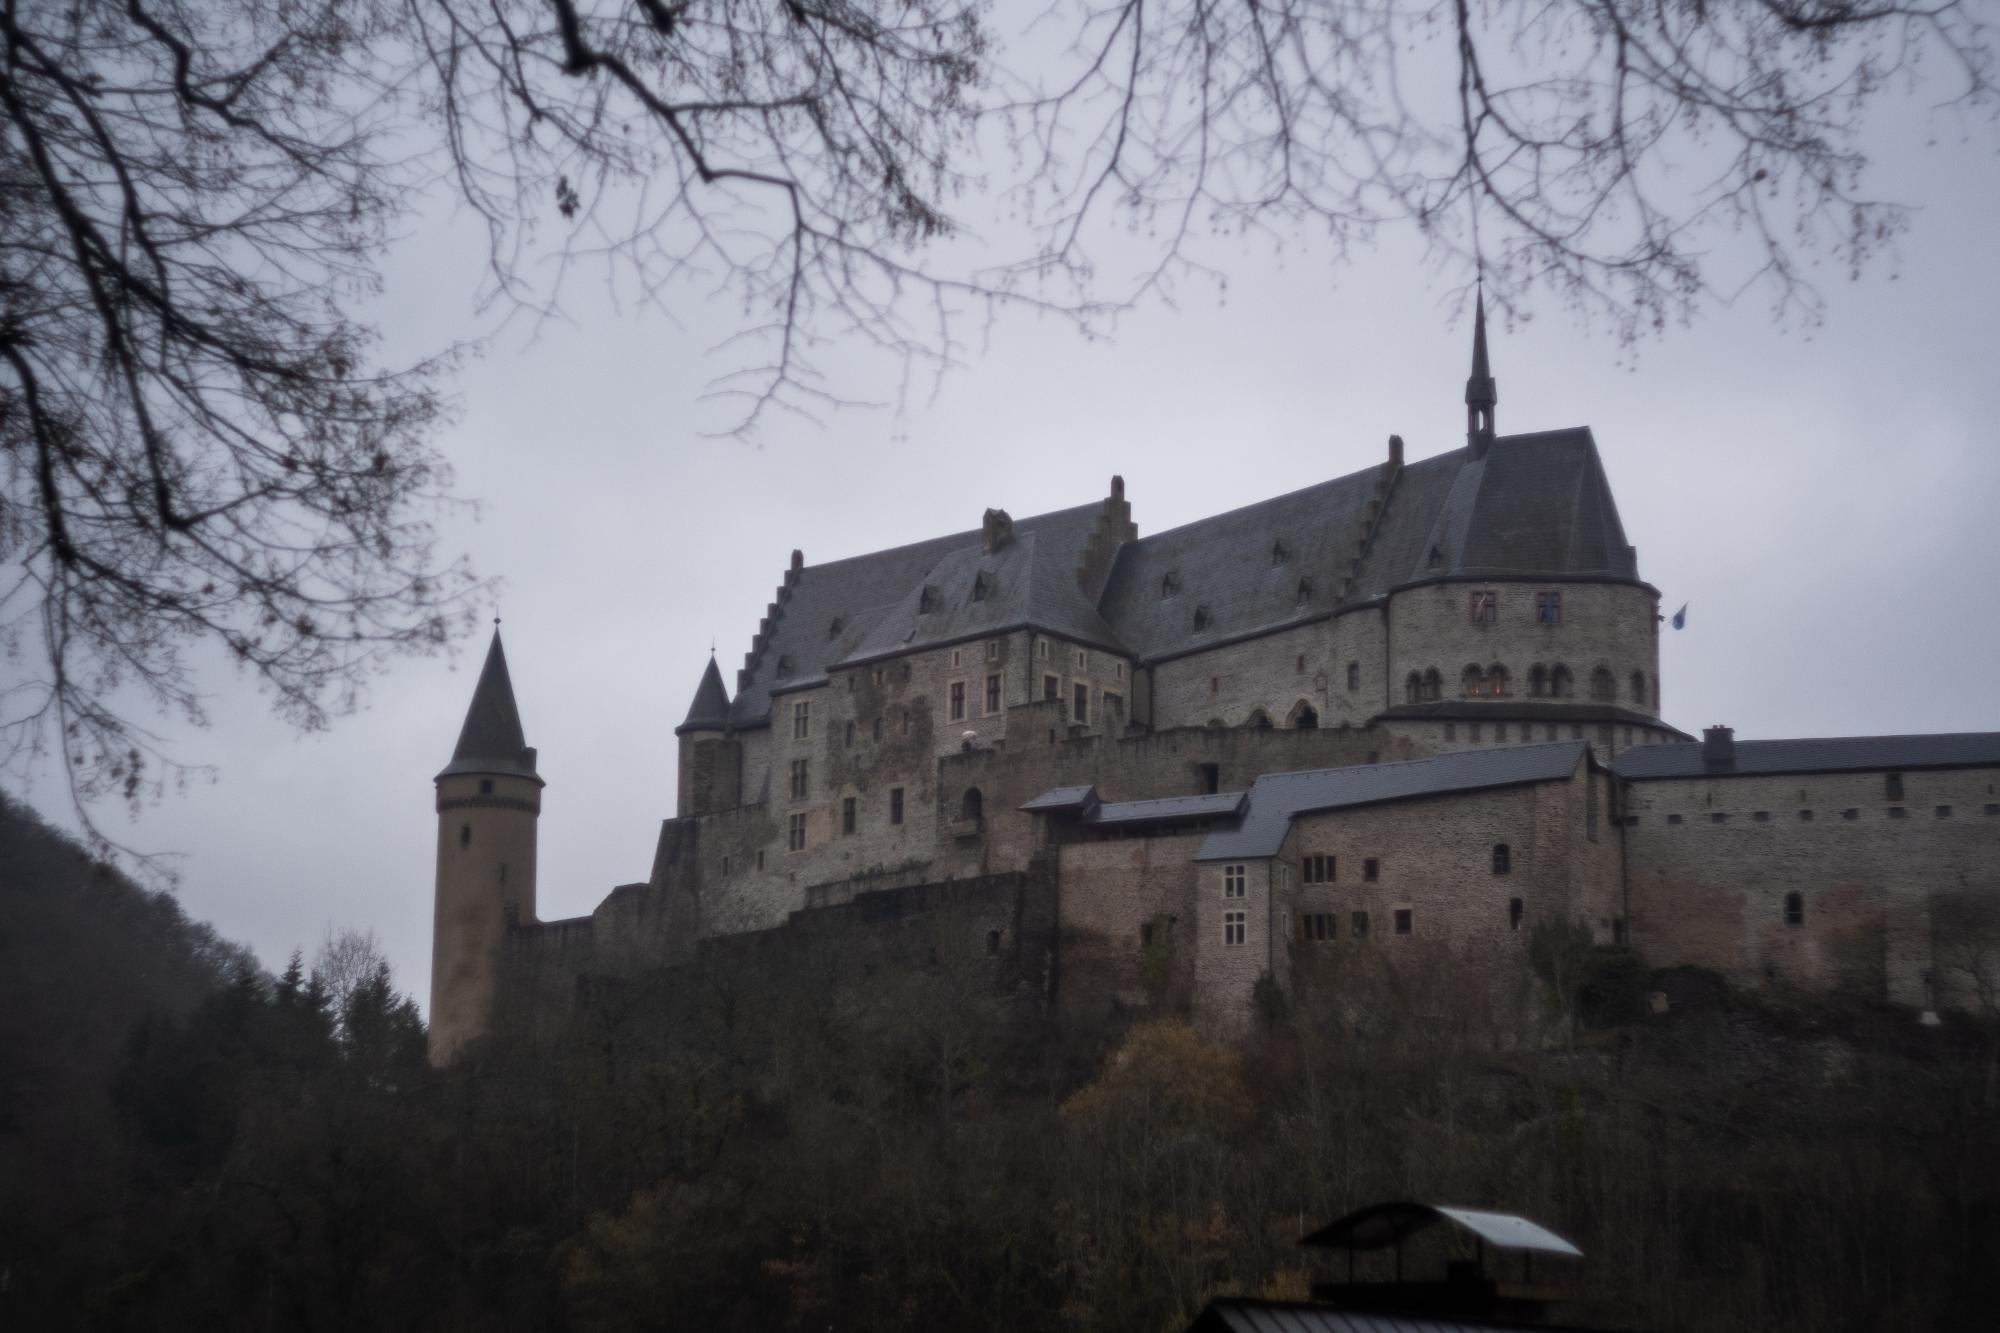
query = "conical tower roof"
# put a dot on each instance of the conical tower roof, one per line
(491, 739)
(710, 709)
(1480, 388)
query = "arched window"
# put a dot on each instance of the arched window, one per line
(1503, 859)
(1433, 685)
(1601, 686)
(1260, 720)
(1413, 688)
(1538, 680)
(1639, 688)
(1216, 722)
(1473, 681)
(1559, 682)
(972, 805)
(1303, 716)
(1496, 680)
(1795, 909)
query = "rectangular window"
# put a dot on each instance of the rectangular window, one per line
(1515, 909)
(1319, 869)
(1549, 608)
(1892, 786)
(1358, 925)
(895, 805)
(1604, 735)
(1485, 607)
(1214, 685)
(1113, 709)
(1317, 927)
(725, 867)
(992, 695)
(1211, 777)
(796, 839)
(876, 676)
(1233, 880)
(1451, 731)
(1499, 733)
(1354, 675)
(956, 656)
(847, 816)
(1051, 688)
(958, 701)
(1299, 664)
(1371, 870)
(1944, 812)
(760, 858)
(801, 719)
(850, 735)
(1473, 731)
(993, 650)
(1082, 704)
(1404, 920)
(1233, 928)
(1042, 649)
(1082, 659)
(801, 779)
(1118, 671)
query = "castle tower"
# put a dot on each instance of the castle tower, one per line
(488, 800)
(711, 767)
(1482, 395)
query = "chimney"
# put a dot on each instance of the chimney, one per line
(996, 530)
(1395, 451)
(1718, 747)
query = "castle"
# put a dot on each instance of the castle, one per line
(1420, 702)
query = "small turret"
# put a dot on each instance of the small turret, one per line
(489, 799)
(1482, 395)
(710, 757)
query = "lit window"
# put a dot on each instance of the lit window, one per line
(1233, 927)
(1233, 881)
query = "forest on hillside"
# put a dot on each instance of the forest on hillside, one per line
(189, 1142)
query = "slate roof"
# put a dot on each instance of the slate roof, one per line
(710, 709)
(1063, 798)
(875, 598)
(1168, 807)
(1831, 754)
(491, 740)
(1277, 798)
(1237, 1314)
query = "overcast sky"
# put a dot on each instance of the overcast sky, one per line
(1823, 499)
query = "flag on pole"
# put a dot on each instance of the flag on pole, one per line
(1680, 620)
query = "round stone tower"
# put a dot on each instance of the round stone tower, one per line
(488, 801)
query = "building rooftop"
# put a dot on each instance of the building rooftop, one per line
(491, 740)
(1828, 754)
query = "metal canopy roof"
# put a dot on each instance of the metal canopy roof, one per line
(1381, 1225)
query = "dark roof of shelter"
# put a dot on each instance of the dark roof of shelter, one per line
(1063, 798)
(1169, 807)
(1277, 798)
(1240, 1314)
(710, 709)
(1828, 754)
(1381, 1225)
(874, 600)
(491, 740)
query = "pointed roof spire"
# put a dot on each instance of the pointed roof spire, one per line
(491, 740)
(710, 709)
(1481, 393)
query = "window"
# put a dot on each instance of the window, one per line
(1214, 684)
(784, 666)
(958, 701)
(1472, 682)
(796, 838)
(876, 676)
(1211, 777)
(1485, 607)
(1318, 927)
(1673, 819)
(1805, 816)
(725, 867)
(801, 719)
(1560, 686)
(834, 627)
(1170, 583)
(1299, 663)
(903, 722)
(1260, 719)
(850, 735)
(1413, 688)
(993, 650)
(1051, 688)
(878, 726)
(1404, 920)
(957, 656)
(847, 816)
(1318, 869)
(1304, 716)
(1082, 659)
(1718, 817)
(1639, 688)
(1233, 928)
(1892, 786)
(486, 786)
(1113, 709)
(1515, 910)
(1538, 680)
(982, 583)
(1042, 649)
(992, 943)
(1760, 816)
(1898, 812)
(1451, 731)
(1117, 671)
(1434, 557)
(1601, 687)
(1473, 733)
(760, 858)
(1357, 925)
(1371, 870)
(895, 805)
(1304, 592)
(1201, 617)
(992, 695)
(1604, 735)
(1795, 909)
(1233, 881)
(1496, 680)
(801, 780)
(1850, 813)
(1081, 703)
(465, 835)
(1549, 608)
(1499, 733)
(1944, 812)
(972, 805)
(927, 600)
(1503, 859)
(1278, 553)
(1354, 675)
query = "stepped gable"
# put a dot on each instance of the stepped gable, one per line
(710, 709)
(491, 741)
(873, 599)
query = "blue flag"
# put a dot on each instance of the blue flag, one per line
(1680, 620)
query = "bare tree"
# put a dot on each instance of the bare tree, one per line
(201, 450)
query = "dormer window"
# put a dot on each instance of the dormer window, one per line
(1305, 591)
(1435, 558)
(927, 600)
(784, 666)
(982, 584)
(1201, 617)
(834, 628)
(1278, 552)
(1170, 583)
